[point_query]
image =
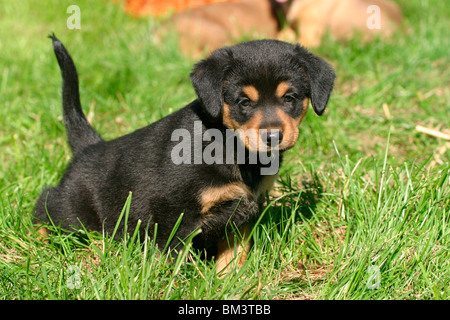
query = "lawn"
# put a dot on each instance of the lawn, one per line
(361, 207)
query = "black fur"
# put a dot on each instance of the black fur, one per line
(102, 173)
(80, 133)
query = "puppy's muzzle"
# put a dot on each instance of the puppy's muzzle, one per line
(272, 137)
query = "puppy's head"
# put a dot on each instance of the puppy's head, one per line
(262, 89)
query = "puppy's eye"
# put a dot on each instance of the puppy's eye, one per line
(288, 98)
(245, 102)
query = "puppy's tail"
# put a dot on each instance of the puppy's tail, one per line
(79, 131)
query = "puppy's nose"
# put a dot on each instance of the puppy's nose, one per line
(272, 137)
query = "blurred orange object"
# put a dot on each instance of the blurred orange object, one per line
(162, 7)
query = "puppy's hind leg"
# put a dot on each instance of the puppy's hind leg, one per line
(40, 212)
(71, 211)
(49, 209)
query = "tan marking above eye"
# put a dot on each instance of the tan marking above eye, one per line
(282, 88)
(251, 92)
(212, 196)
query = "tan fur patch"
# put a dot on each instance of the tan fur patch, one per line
(305, 109)
(249, 132)
(282, 88)
(290, 125)
(229, 122)
(251, 92)
(42, 234)
(228, 255)
(212, 196)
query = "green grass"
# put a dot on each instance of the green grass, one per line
(361, 209)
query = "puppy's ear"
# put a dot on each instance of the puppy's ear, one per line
(207, 78)
(321, 79)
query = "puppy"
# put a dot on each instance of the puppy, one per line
(209, 27)
(260, 86)
(341, 18)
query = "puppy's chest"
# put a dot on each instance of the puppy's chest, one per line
(258, 184)
(263, 186)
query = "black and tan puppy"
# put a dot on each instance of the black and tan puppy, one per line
(170, 166)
